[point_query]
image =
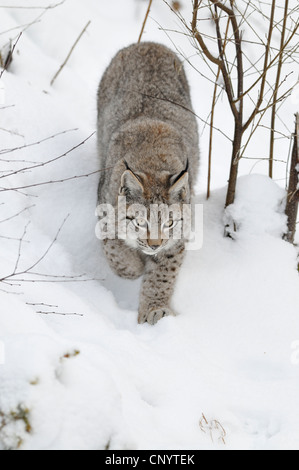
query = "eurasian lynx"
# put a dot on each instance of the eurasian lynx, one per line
(148, 146)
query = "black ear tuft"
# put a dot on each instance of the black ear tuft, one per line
(175, 178)
(180, 188)
(130, 185)
(179, 185)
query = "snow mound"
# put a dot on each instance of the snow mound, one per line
(259, 207)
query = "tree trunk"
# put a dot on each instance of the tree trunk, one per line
(293, 190)
(232, 184)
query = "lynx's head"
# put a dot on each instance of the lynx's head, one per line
(155, 208)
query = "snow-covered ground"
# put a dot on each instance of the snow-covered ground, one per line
(223, 374)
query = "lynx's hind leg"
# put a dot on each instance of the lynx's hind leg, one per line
(124, 261)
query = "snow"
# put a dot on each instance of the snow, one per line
(83, 374)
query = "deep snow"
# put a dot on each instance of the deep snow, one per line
(92, 378)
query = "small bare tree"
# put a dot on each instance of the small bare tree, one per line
(224, 33)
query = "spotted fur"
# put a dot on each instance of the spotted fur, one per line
(148, 148)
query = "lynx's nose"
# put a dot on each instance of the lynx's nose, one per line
(154, 244)
(155, 247)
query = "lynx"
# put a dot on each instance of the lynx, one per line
(148, 148)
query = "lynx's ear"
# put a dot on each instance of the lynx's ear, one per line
(130, 185)
(179, 189)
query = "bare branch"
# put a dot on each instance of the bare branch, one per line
(199, 37)
(279, 69)
(9, 58)
(16, 215)
(5, 151)
(49, 7)
(20, 248)
(39, 165)
(271, 64)
(265, 69)
(224, 70)
(69, 54)
(145, 20)
(61, 314)
(41, 305)
(212, 116)
(15, 272)
(63, 180)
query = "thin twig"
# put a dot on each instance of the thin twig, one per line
(28, 270)
(11, 52)
(163, 98)
(41, 305)
(39, 165)
(63, 280)
(212, 117)
(69, 54)
(20, 248)
(63, 180)
(145, 20)
(270, 65)
(49, 7)
(277, 85)
(16, 215)
(14, 149)
(9, 131)
(61, 314)
(265, 68)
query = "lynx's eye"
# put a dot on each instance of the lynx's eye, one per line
(140, 222)
(169, 224)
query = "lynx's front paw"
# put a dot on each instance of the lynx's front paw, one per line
(154, 316)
